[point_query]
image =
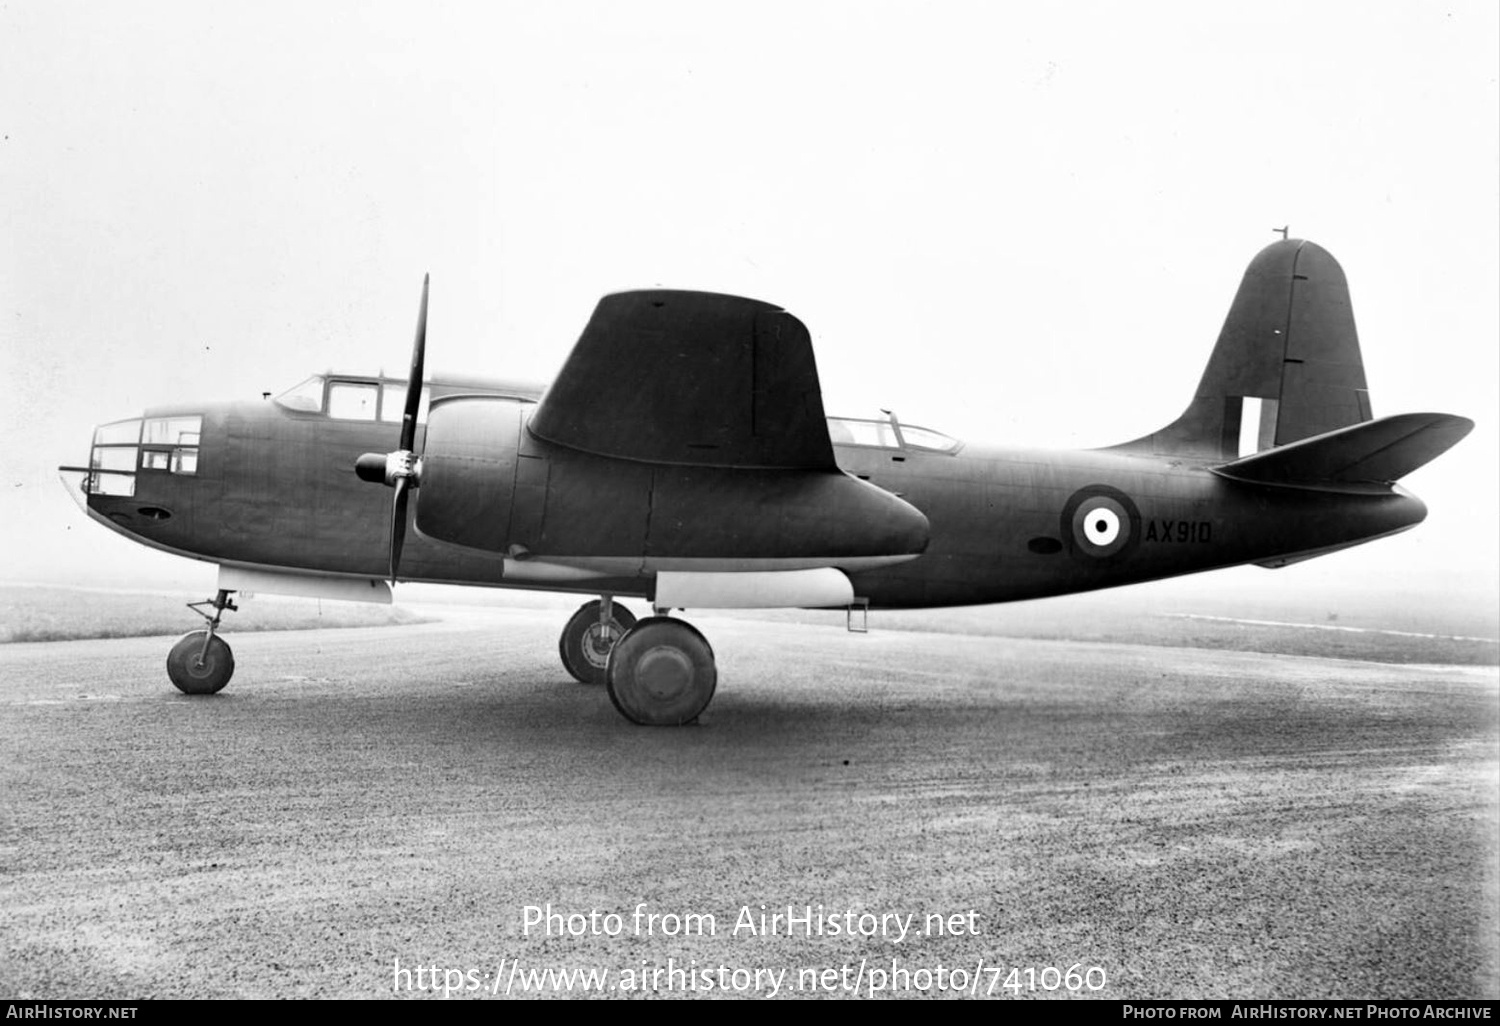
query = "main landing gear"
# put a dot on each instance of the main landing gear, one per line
(658, 672)
(201, 663)
(590, 635)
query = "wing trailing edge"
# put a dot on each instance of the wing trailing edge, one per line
(1373, 454)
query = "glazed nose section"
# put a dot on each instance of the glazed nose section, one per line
(114, 458)
(160, 453)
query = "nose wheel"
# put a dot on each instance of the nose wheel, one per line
(590, 636)
(201, 663)
(662, 673)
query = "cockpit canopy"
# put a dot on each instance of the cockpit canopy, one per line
(379, 398)
(888, 434)
(352, 398)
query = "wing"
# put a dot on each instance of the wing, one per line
(691, 378)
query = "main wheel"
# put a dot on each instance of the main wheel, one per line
(196, 672)
(662, 673)
(585, 643)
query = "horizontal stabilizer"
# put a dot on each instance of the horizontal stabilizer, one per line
(1376, 452)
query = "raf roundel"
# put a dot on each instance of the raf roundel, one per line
(1101, 526)
(1101, 522)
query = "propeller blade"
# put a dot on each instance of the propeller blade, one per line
(414, 380)
(398, 525)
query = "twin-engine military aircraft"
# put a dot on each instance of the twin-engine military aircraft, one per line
(682, 457)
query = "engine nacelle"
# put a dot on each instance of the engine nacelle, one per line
(469, 471)
(488, 483)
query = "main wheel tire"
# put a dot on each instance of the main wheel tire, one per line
(662, 673)
(200, 676)
(585, 645)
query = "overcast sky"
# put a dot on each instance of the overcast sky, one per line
(1017, 223)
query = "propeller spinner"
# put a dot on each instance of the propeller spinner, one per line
(401, 469)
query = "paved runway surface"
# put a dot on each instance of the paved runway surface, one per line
(363, 803)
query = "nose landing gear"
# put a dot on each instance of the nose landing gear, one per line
(201, 663)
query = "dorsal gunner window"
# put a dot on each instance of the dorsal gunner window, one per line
(888, 434)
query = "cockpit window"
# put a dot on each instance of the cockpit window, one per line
(352, 400)
(393, 402)
(306, 397)
(347, 399)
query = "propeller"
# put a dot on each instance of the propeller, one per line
(401, 469)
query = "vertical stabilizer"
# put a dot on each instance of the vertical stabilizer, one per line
(1286, 366)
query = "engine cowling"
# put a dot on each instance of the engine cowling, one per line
(469, 471)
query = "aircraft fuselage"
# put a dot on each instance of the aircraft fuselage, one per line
(275, 489)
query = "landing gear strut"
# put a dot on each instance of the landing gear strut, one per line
(662, 673)
(201, 663)
(589, 637)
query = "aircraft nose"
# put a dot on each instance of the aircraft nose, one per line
(110, 466)
(76, 480)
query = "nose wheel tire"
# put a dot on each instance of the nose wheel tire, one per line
(199, 672)
(586, 643)
(662, 673)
